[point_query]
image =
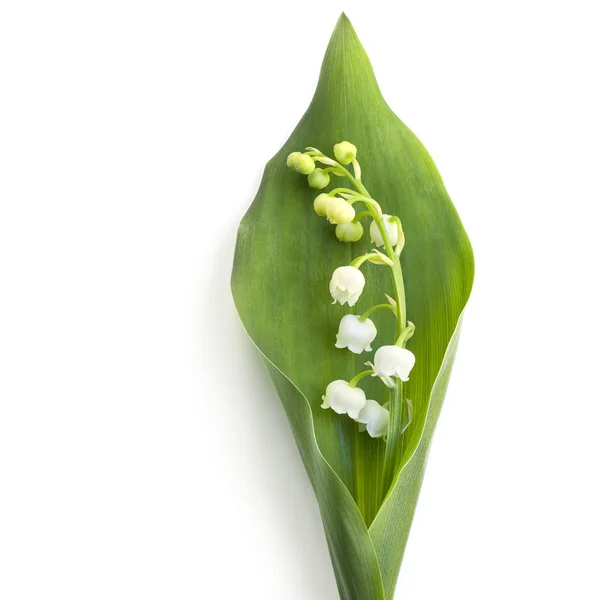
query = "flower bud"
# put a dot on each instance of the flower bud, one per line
(375, 417)
(321, 202)
(355, 334)
(318, 179)
(346, 285)
(344, 399)
(344, 152)
(339, 211)
(390, 226)
(349, 232)
(291, 159)
(393, 361)
(304, 164)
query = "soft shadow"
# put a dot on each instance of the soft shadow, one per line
(258, 427)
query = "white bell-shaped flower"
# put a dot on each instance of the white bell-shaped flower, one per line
(392, 361)
(375, 418)
(343, 399)
(346, 285)
(390, 226)
(355, 334)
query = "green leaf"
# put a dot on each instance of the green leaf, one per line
(284, 258)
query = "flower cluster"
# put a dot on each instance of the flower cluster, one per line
(391, 363)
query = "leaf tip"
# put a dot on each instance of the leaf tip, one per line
(344, 26)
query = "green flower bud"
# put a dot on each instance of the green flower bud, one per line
(321, 202)
(349, 232)
(291, 159)
(304, 164)
(318, 179)
(344, 152)
(339, 211)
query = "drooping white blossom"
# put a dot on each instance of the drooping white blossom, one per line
(375, 418)
(392, 361)
(390, 226)
(343, 399)
(355, 334)
(346, 285)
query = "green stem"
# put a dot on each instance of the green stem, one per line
(364, 316)
(359, 471)
(371, 204)
(393, 447)
(357, 378)
(341, 191)
(357, 262)
(405, 334)
(396, 268)
(400, 242)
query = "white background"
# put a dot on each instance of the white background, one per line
(143, 451)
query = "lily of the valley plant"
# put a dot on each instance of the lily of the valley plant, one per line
(392, 363)
(327, 302)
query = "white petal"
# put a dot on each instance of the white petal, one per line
(378, 427)
(390, 226)
(357, 347)
(333, 284)
(369, 411)
(393, 361)
(344, 399)
(405, 363)
(346, 285)
(355, 334)
(375, 234)
(358, 402)
(375, 418)
(353, 299)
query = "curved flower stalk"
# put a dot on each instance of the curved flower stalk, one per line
(362, 385)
